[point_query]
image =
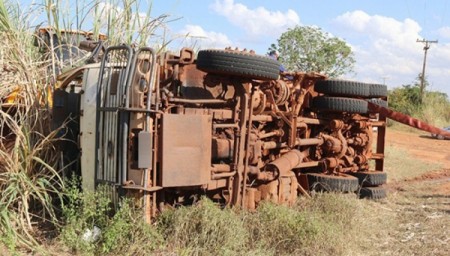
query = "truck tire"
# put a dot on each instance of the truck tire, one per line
(377, 90)
(379, 102)
(238, 64)
(338, 104)
(370, 178)
(342, 88)
(323, 182)
(373, 193)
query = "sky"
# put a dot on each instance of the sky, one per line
(383, 34)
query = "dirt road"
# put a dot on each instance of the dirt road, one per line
(415, 217)
(422, 146)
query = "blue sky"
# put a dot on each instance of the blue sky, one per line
(382, 33)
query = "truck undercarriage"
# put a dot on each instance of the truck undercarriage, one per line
(166, 129)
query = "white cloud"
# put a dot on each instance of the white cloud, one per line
(444, 32)
(197, 37)
(386, 49)
(258, 21)
(383, 31)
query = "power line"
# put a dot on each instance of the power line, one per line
(422, 76)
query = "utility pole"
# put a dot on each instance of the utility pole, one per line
(422, 76)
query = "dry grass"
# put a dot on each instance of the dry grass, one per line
(409, 222)
(415, 218)
(401, 165)
(322, 226)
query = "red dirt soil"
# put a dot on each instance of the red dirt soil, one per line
(422, 146)
(427, 149)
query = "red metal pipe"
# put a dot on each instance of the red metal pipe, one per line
(405, 119)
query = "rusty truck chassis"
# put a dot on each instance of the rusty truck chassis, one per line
(227, 125)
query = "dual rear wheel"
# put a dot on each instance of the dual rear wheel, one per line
(342, 96)
(339, 96)
(367, 184)
(348, 96)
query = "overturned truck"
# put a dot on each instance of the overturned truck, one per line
(168, 128)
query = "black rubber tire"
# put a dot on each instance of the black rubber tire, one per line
(370, 178)
(323, 182)
(377, 90)
(374, 193)
(379, 102)
(338, 104)
(238, 64)
(342, 88)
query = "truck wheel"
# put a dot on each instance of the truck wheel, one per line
(338, 104)
(373, 193)
(323, 182)
(379, 102)
(377, 90)
(370, 178)
(342, 88)
(238, 64)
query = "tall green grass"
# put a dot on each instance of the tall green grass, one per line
(29, 183)
(30, 178)
(435, 110)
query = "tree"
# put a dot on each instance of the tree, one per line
(310, 49)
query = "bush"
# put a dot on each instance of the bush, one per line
(121, 233)
(434, 109)
(127, 233)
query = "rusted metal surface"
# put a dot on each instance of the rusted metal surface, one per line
(170, 131)
(185, 160)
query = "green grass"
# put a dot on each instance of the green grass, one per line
(321, 226)
(123, 232)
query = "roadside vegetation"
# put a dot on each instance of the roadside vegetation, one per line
(321, 226)
(31, 176)
(434, 108)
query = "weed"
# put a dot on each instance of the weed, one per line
(281, 229)
(127, 233)
(121, 233)
(81, 213)
(204, 229)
